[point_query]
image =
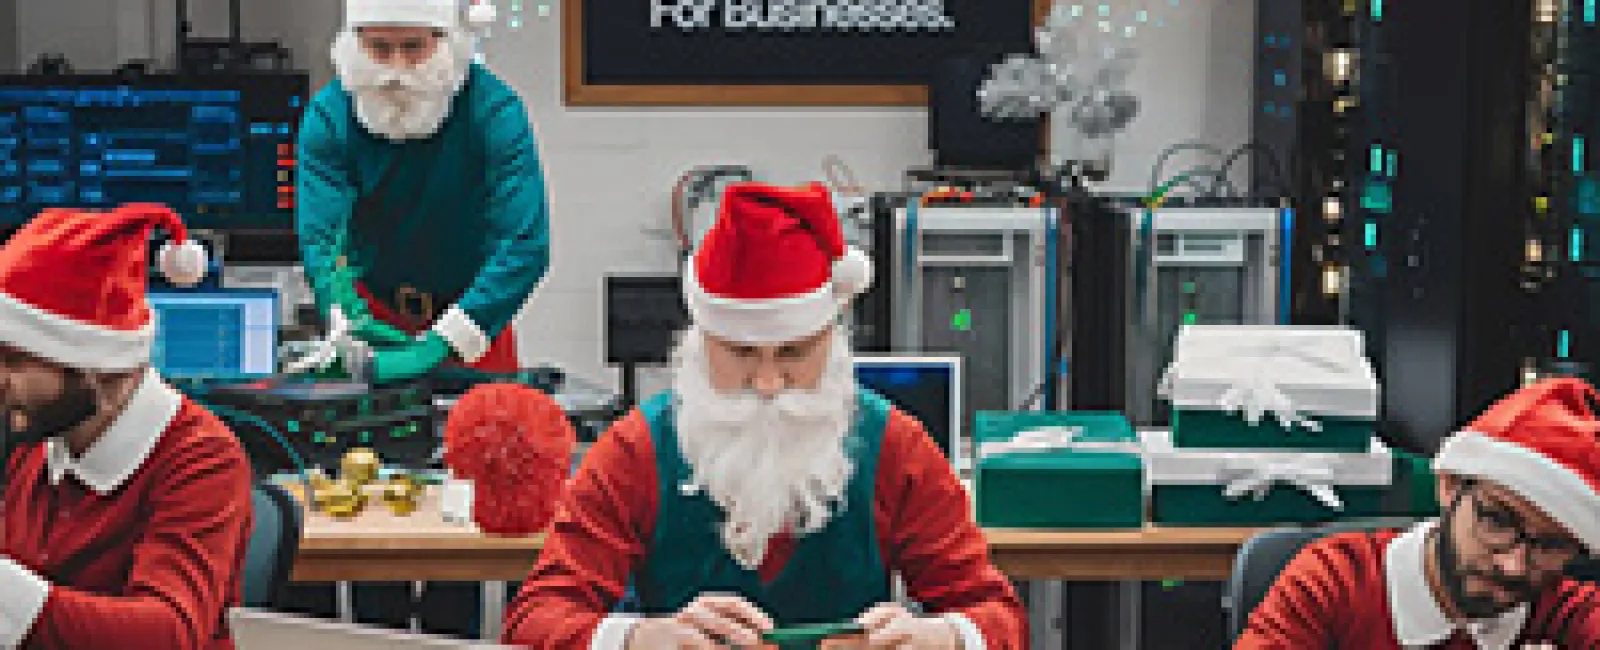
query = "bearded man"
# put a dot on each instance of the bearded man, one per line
(1522, 484)
(124, 507)
(421, 207)
(766, 488)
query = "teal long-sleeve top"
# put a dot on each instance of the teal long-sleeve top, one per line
(463, 215)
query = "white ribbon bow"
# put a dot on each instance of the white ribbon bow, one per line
(1256, 478)
(1256, 393)
(1052, 439)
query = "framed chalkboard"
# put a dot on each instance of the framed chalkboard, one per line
(777, 52)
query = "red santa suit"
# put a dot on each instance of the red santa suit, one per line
(138, 542)
(1368, 591)
(624, 519)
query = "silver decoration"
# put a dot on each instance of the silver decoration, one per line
(1080, 70)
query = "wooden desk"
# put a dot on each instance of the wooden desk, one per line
(380, 547)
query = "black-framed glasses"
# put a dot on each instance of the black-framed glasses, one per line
(1502, 529)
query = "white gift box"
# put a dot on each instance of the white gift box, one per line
(1289, 372)
(1254, 474)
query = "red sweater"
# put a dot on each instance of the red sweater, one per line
(603, 528)
(1334, 596)
(154, 548)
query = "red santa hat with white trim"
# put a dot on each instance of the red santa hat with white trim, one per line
(1542, 442)
(73, 284)
(443, 14)
(774, 267)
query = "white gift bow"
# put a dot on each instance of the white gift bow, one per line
(1257, 394)
(1257, 477)
(1052, 439)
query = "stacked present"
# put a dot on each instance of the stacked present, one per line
(1271, 425)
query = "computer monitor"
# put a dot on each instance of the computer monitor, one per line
(218, 149)
(927, 388)
(215, 333)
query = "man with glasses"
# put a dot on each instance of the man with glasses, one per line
(1521, 488)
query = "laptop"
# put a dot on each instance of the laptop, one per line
(255, 629)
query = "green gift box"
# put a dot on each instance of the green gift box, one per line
(1234, 386)
(1415, 492)
(1207, 429)
(1040, 469)
(1190, 487)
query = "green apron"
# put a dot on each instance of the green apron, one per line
(835, 574)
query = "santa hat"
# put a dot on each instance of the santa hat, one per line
(443, 14)
(774, 267)
(72, 284)
(1542, 442)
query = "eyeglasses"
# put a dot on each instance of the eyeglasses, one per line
(1501, 530)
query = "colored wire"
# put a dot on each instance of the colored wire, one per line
(266, 427)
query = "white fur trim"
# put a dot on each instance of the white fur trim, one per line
(183, 264)
(443, 14)
(1561, 492)
(971, 636)
(613, 632)
(482, 14)
(464, 335)
(26, 593)
(852, 273)
(760, 322)
(71, 342)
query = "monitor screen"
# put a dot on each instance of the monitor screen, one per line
(927, 388)
(216, 333)
(218, 150)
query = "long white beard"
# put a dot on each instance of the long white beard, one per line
(771, 465)
(403, 103)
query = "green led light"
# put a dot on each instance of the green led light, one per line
(1564, 344)
(1392, 162)
(1577, 244)
(1372, 235)
(365, 437)
(293, 426)
(1188, 287)
(1377, 9)
(1577, 155)
(961, 321)
(1588, 11)
(1377, 159)
(1189, 318)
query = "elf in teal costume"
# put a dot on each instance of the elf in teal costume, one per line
(767, 489)
(421, 206)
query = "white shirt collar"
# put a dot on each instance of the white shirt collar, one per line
(1419, 621)
(125, 445)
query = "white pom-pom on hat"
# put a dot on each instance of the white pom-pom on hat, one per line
(183, 264)
(852, 272)
(481, 14)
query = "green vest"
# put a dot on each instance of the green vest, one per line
(835, 574)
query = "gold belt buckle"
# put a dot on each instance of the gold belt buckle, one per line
(406, 295)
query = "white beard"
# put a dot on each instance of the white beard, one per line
(771, 465)
(403, 103)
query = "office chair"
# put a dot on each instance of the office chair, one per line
(274, 541)
(1262, 558)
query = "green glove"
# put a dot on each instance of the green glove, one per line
(410, 361)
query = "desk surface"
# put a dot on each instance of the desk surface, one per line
(378, 546)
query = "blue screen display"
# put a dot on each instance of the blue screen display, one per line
(222, 334)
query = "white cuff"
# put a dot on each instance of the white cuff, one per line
(465, 336)
(25, 594)
(971, 636)
(613, 632)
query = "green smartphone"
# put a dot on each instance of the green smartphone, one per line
(804, 636)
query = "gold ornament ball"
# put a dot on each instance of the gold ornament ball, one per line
(402, 494)
(360, 466)
(343, 499)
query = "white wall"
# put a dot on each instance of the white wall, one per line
(610, 171)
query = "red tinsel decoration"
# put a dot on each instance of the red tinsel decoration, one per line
(516, 446)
